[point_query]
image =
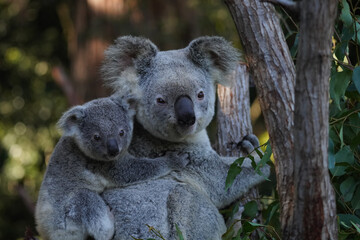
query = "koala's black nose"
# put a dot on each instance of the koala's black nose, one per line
(112, 147)
(184, 110)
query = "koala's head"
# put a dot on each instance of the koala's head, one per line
(178, 86)
(102, 128)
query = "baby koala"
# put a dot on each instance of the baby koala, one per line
(92, 156)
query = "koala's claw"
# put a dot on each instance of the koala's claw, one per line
(179, 159)
(249, 143)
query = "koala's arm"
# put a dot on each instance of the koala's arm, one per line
(86, 210)
(246, 180)
(134, 169)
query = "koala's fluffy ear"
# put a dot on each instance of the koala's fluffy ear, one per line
(216, 55)
(124, 60)
(71, 119)
(128, 102)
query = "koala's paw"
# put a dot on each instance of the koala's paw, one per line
(105, 228)
(249, 143)
(178, 159)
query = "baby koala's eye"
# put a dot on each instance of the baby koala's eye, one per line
(96, 137)
(121, 133)
(160, 100)
(201, 95)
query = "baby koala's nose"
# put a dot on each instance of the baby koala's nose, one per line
(112, 147)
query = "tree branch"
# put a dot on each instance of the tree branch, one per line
(63, 80)
(287, 4)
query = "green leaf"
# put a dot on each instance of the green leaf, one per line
(333, 135)
(356, 226)
(345, 15)
(338, 85)
(347, 188)
(248, 227)
(273, 207)
(259, 153)
(352, 92)
(355, 202)
(340, 50)
(345, 155)
(347, 33)
(228, 235)
(343, 159)
(234, 170)
(250, 209)
(355, 141)
(354, 121)
(331, 155)
(346, 219)
(253, 163)
(357, 25)
(356, 78)
(266, 157)
(341, 135)
(179, 233)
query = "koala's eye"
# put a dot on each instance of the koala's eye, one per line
(160, 100)
(121, 133)
(96, 137)
(201, 95)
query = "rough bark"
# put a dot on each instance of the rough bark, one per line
(315, 210)
(233, 114)
(300, 151)
(273, 71)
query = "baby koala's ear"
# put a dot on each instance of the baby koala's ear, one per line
(129, 102)
(132, 101)
(71, 119)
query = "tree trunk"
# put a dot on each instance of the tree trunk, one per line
(233, 114)
(233, 124)
(307, 200)
(315, 209)
(89, 27)
(273, 71)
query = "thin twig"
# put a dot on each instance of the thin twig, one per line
(63, 80)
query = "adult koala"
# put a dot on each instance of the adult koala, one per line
(177, 105)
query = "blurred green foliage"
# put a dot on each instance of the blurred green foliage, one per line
(344, 135)
(30, 102)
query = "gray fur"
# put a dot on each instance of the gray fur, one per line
(69, 205)
(189, 198)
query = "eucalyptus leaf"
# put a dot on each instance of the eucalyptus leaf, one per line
(234, 170)
(341, 49)
(355, 202)
(356, 78)
(356, 226)
(354, 121)
(338, 85)
(345, 155)
(345, 15)
(341, 135)
(343, 159)
(355, 142)
(347, 188)
(250, 209)
(179, 233)
(346, 219)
